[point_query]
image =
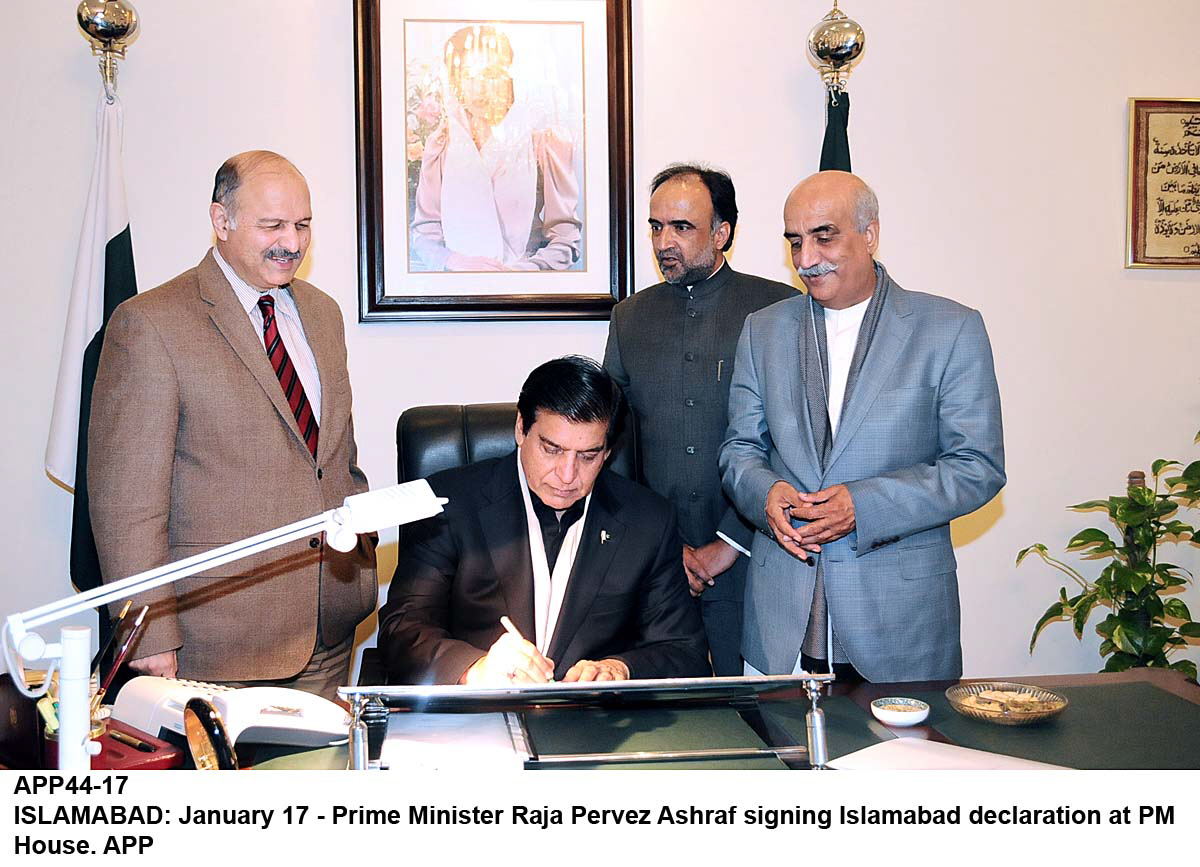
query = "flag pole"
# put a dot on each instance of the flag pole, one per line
(103, 277)
(109, 26)
(835, 45)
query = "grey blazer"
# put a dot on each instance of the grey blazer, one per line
(919, 443)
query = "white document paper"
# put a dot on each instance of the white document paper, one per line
(474, 742)
(915, 754)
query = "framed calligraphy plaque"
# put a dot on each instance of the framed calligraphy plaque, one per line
(1163, 226)
(493, 158)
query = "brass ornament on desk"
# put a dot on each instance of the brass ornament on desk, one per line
(835, 45)
(110, 26)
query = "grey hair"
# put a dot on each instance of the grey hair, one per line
(236, 169)
(866, 208)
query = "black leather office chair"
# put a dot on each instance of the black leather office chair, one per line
(430, 439)
(434, 438)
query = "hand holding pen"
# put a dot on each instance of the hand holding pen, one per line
(510, 660)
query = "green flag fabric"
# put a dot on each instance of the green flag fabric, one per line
(835, 151)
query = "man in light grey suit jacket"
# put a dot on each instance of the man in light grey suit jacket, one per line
(863, 419)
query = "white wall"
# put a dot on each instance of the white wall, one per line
(994, 135)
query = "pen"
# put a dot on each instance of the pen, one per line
(130, 741)
(108, 643)
(121, 654)
(511, 629)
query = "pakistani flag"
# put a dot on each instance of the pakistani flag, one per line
(103, 279)
(835, 151)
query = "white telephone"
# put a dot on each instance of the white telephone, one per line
(253, 714)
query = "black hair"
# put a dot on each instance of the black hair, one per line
(720, 190)
(575, 387)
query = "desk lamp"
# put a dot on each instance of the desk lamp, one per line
(71, 655)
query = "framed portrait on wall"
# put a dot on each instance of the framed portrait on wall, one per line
(493, 150)
(1163, 226)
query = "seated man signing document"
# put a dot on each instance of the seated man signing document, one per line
(581, 563)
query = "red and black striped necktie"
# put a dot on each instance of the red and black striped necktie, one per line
(293, 389)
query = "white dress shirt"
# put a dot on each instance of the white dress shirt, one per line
(549, 586)
(291, 331)
(841, 336)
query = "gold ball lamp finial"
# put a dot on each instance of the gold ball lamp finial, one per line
(835, 45)
(109, 26)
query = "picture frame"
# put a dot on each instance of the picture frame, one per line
(490, 187)
(1163, 212)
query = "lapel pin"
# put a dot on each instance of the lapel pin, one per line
(604, 536)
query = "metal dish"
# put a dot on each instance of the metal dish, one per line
(1004, 703)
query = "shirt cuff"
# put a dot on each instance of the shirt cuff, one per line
(732, 544)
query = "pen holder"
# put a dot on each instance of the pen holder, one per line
(49, 708)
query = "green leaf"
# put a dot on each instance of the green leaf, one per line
(1152, 605)
(1178, 528)
(1190, 630)
(1123, 578)
(1120, 637)
(1165, 507)
(1054, 612)
(1106, 647)
(1090, 504)
(1158, 466)
(1186, 666)
(1140, 495)
(1037, 546)
(1083, 609)
(1175, 607)
(1090, 536)
(1129, 514)
(1191, 473)
(1156, 641)
(1139, 579)
(1120, 662)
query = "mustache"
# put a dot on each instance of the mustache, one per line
(817, 270)
(281, 253)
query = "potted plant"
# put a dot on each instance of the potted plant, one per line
(1146, 619)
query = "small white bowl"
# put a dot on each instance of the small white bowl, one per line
(897, 711)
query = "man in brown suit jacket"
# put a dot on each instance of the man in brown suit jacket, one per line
(193, 444)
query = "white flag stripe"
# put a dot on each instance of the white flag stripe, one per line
(104, 217)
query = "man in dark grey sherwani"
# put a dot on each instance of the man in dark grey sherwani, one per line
(672, 347)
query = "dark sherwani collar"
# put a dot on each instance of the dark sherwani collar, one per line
(709, 285)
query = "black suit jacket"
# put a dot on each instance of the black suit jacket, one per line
(460, 571)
